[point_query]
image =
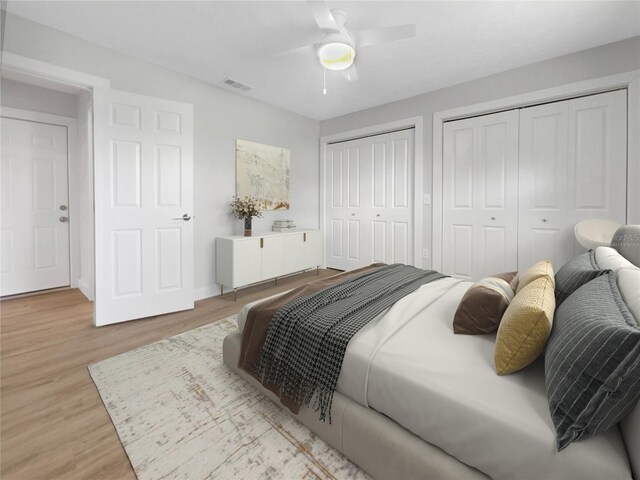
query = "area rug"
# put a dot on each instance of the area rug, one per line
(181, 413)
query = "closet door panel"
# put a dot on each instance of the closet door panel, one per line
(480, 177)
(597, 154)
(462, 242)
(542, 185)
(337, 197)
(459, 216)
(497, 194)
(572, 168)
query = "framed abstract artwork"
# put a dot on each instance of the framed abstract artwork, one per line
(263, 172)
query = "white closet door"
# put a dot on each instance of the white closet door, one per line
(369, 201)
(480, 173)
(342, 200)
(572, 167)
(543, 214)
(34, 218)
(144, 203)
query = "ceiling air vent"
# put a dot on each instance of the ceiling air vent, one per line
(229, 82)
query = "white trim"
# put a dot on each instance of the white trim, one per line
(11, 61)
(418, 143)
(203, 293)
(71, 125)
(629, 80)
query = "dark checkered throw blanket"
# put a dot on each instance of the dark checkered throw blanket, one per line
(308, 336)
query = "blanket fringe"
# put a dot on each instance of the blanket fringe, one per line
(294, 386)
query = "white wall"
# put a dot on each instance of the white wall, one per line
(37, 99)
(606, 60)
(220, 117)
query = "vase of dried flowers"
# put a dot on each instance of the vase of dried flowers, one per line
(245, 208)
(247, 227)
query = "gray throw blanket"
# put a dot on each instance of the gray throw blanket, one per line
(308, 336)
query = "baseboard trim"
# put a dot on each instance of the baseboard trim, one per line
(84, 287)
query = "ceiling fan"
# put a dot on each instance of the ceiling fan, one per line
(338, 47)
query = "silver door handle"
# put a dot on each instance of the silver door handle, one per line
(63, 219)
(184, 217)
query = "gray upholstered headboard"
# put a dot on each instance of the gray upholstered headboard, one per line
(627, 241)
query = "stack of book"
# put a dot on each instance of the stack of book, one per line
(283, 225)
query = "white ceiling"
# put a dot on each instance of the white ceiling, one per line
(455, 42)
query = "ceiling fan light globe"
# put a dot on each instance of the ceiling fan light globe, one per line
(336, 56)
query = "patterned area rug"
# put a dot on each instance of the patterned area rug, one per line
(181, 413)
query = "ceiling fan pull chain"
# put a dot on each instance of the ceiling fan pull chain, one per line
(324, 81)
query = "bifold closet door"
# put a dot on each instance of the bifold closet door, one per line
(572, 167)
(480, 196)
(369, 201)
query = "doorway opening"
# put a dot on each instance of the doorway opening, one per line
(46, 204)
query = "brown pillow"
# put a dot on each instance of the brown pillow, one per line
(482, 307)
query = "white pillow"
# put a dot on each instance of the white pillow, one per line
(609, 258)
(629, 286)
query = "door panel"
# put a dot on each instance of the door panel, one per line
(572, 168)
(375, 223)
(463, 243)
(597, 157)
(480, 172)
(543, 184)
(144, 206)
(35, 242)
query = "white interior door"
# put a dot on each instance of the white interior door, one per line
(34, 201)
(144, 206)
(572, 167)
(480, 196)
(369, 201)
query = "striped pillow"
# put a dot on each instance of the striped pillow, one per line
(592, 362)
(575, 273)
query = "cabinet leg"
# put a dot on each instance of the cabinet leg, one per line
(235, 294)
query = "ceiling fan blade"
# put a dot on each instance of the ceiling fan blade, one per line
(351, 73)
(374, 36)
(305, 49)
(324, 17)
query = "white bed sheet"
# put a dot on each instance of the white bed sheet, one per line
(443, 387)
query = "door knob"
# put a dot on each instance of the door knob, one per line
(493, 218)
(184, 217)
(63, 219)
(544, 220)
(353, 214)
(63, 207)
(377, 215)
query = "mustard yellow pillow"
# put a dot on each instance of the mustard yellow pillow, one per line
(540, 269)
(525, 326)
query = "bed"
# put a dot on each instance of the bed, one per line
(414, 400)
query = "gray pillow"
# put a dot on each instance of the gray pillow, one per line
(592, 362)
(575, 273)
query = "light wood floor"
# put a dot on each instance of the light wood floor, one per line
(53, 423)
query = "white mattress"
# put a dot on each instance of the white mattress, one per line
(408, 365)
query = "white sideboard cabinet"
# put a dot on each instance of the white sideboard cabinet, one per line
(241, 261)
